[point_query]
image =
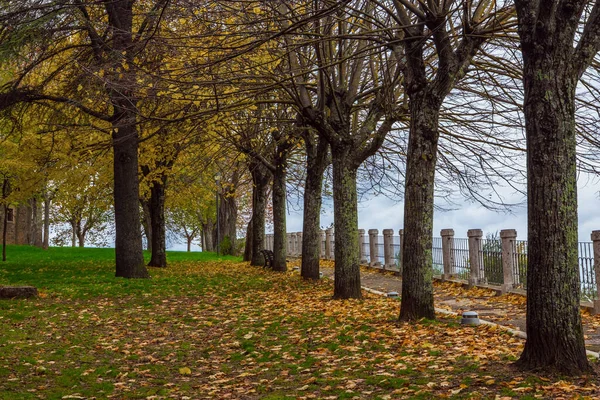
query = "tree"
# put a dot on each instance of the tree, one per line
(559, 40)
(438, 42)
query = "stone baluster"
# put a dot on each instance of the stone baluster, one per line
(328, 243)
(388, 248)
(448, 252)
(476, 272)
(596, 244)
(361, 246)
(374, 248)
(508, 237)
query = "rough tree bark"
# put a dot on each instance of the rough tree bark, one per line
(552, 66)
(47, 202)
(260, 181)
(146, 222)
(248, 247)
(317, 161)
(417, 283)
(345, 214)
(129, 254)
(157, 215)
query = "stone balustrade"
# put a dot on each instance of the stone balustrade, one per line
(501, 262)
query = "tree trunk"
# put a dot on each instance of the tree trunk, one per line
(345, 211)
(248, 246)
(417, 261)
(316, 162)
(207, 232)
(228, 214)
(189, 244)
(147, 223)
(279, 224)
(260, 180)
(4, 230)
(554, 333)
(157, 215)
(128, 239)
(129, 253)
(73, 233)
(36, 233)
(81, 239)
(47, 203)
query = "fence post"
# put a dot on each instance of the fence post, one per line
(374, 248)
(401, 260)
(361, 246)
(508, 237)
(448, 252)
(291, 250)
(328, 237)
(475, 236)
(299, 244)
(388, 248)
(322, 244)
(270, 242)
(596, 243)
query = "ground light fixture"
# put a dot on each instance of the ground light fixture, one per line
(470, 318)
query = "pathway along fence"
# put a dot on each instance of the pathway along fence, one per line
(498, 261)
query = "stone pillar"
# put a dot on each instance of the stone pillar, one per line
(508, 237)
(298, 244)
(388, 248)
(328, 243)
(374, 248)
(269, 245)
(401, 263)
(596, 244)
(292, 248)
(476, 275)
(289, 241)
(361, 246)
(322, 244)
(448, 252)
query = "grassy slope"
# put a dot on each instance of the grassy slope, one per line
(204, 328)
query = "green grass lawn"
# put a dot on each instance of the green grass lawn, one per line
(208, 327)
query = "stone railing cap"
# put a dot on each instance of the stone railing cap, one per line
(447, 232)
(373, 231)
(508, 233)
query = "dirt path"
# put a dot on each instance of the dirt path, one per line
(507, 309)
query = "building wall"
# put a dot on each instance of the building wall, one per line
(26, 224)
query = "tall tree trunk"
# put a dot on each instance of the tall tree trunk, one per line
(4, 230)
(260, 180)
(157, 215)
(81, 238)
(47, 203)
(316, 161)
(147, 222)
(345, 212)
(417, 261)
(128, 238)
(73, 233)
(279, 224)
(554, 333)
(129, 253)
(28, 223)
(189, 243)
(36, 234)
(228, 214)
(207, 232)
(248, 245)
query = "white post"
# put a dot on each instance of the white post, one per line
(322, 243)
(388, 248)
(476, 273)
(596, 244)
(361, 246)
(328, 240)
(374, 248)
(508, 237)
(298, 244)
(448, 252)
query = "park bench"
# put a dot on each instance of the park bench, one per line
(268, 254)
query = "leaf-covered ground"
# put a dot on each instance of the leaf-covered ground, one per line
(221, 329)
